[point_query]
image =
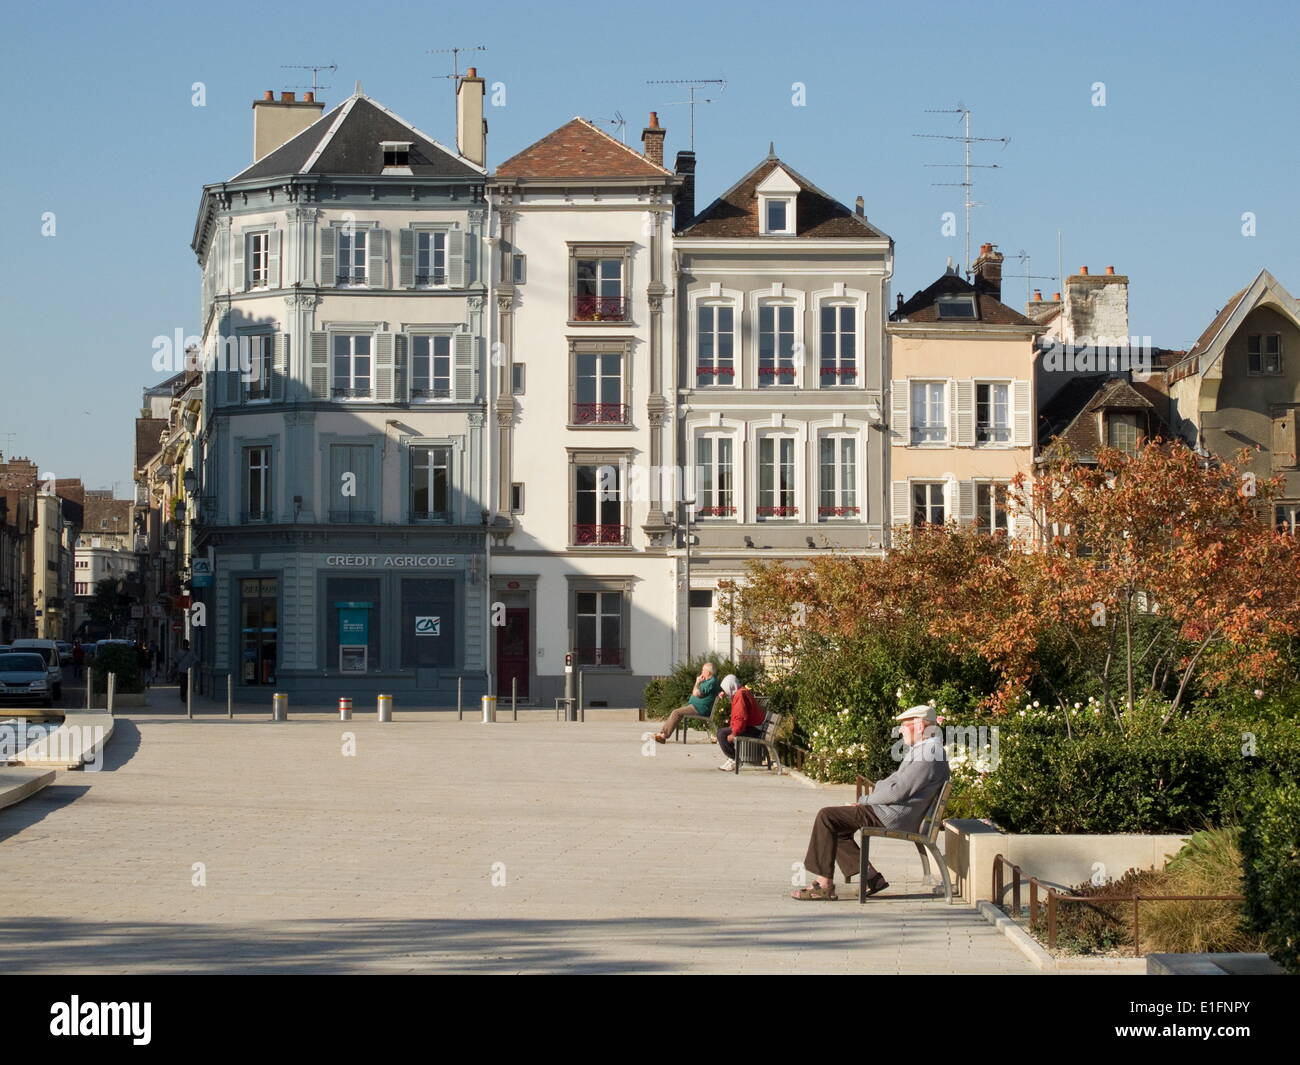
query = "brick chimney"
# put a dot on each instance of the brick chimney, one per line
(471, 128)
(684, 203)
(988, 271)
(275, 122)
(652, 140)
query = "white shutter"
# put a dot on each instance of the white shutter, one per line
(950, 399)
(328, 272)
(320, 366)
(405, 258)
(1023, 434)
(400, 378)
(901, 499)
(238, 279)
(965, 413)
(1020, 520)
(900, 418)
(279, 366)
(384, 367)
(456, 258)
(965, 502)
(376, 258)
(273, 259)
(463, 349)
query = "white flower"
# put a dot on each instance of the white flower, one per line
(1035, 704)
(1259, 693)
(1078, 706)
(1022, 713)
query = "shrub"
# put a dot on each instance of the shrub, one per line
(1270, 846)
(663, 695)
(1098, 927)
(120, 659)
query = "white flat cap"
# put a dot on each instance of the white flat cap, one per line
(926, 712)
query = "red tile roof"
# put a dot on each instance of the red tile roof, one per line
(579, 150)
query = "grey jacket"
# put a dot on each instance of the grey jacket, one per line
(902, 798)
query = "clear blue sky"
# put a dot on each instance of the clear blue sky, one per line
(1200, 125)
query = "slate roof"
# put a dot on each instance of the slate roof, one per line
(1068, 417)
(148, 439)
(346, 141)
(989, 310)
(734, 214)
(579, 149)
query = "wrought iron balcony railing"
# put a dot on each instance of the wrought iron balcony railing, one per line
(351, 516)
(599, 656)
(600, 308)
(601, 413)
(778, 512)
(837, 512)
(715, 512)
(585, 535)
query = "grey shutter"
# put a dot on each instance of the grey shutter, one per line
(406, 258)
(328, 240)
(900, 399)
(1023, 415)
(384, 367)
(966, 502)
(456, 258)
(965, 413)
(273, 259)
(376, 258)
(901, 500)
(238, 279)
(279, 366)
(320, 366)
(463, 347)
(400, 379)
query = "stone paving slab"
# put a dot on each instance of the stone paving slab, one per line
(606, 860)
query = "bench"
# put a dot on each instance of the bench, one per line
(761, 748)
(684, 724)
(926, 838)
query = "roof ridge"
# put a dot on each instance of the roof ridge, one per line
(627, 148)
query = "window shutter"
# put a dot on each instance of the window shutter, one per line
(279, 366)
(900, 393)
(1021, 521)
(462, 346)
(965, 413)
(1023, 415)
(320, 366)
(328, 240)
(405, 258)
(233, 381)
(376, 258)
(966, 502)
(456, 258)
(384, 367)
(238, 279)
(273, 259)
(902, 503)
(400, 379)
(950, 397)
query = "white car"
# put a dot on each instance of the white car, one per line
(49, 650)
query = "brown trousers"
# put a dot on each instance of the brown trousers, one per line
(832, 840)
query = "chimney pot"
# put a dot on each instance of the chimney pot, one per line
(654, 119)
(859, 207)
(309, 97)
(1083, 271)
(286, 97)
(268, 95)
(1110, 269)
(1056, 297)
(471, 72)
(1038, 296)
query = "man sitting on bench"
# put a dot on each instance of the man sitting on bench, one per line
(700, 703)
(898, 802)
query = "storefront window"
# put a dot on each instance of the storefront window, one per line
(258, 629)
(429, 629)
(352, 621)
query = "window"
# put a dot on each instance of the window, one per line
(349, 492)
(429, 623)
(927, 503)
(956, 307)
(1264, 353)
(351, 366)
(714, 495)
(258, 261)
(598, 628)
(83, 588)
(431, 257)
(777, 216)
(351, 256)
(517, 498)
(991, 507)
(992, 424)
(431, 367)
(598, 389)
(257, 483)
(516, 378)
(715, 345)
(1122, 432)
(929, 416)
(839, 357)
(776, 498)
(431, 483)
(258, 384)
(598, 290)
(838, 462)
(396, 154)
(518, 268)
(598, 505)
(258, 629)
(1285, 517)
(775, 344)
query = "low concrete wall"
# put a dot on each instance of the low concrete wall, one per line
(1063, 861)
(18, 783)
(78, 742)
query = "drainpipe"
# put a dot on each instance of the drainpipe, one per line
(487, 481)
(886, 407)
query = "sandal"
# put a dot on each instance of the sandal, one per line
(815, 893)
(660, 739)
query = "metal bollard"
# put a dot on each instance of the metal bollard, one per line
(581, 714)
(230, 695)
(459, 708)
(345, 709)
(111, 690)
(90, 687)
(189, 692)
(385, 708)
(514, 693)
(489, 709)
(279, 707)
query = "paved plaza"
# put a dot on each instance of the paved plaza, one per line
(444, 846)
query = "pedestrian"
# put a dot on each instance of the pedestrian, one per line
(746, 719)
(78, 659)
(187, 660)
(142, 660)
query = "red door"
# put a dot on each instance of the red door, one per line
(513, 653)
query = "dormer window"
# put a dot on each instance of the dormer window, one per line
(397, 156)
(777, 195)
(957, 307)
(776, 218)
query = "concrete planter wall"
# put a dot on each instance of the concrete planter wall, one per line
(121, 700)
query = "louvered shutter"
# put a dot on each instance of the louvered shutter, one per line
(901, 497)
(900, 398)
(376, 258)
(456, 258)
(950, 399)
(384, 367)
(328, 241)
(406, 258)
(965, 413)
(279, 366)
(238, 279)
(273, 259)
(966, 502)
(320, 366)
(1023, 415)
(1021, 521)
(463, 349)
(401, 345)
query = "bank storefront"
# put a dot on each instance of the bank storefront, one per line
(322, 624)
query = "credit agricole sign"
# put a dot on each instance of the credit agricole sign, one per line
(396, 561)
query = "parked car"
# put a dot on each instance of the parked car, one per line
(65, 652)
(49, 650)
(25, 677)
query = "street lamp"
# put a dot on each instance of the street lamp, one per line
(191, 480)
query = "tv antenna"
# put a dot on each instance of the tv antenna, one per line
(455, 58)
(691, 85)
(619, 123)
(315, 71)
(967, 166)
(1024, 258)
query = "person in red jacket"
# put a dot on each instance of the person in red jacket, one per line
(746, 718)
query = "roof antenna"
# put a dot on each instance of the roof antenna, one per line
(619, 123)
(1023, 256)
(692, 84)
(315, 70)
(455, 59)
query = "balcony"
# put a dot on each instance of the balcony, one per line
(350, 393)
(599, 656)
(844, 375)
(589, 535)
(715, 512)
(778, 512)
(727, 373)
(600, 308)
(837, 512)
(249, 517)
(349, 516)
(443, 516)
(431, 393)
(601, 414)
(781, 375)
(438, 277)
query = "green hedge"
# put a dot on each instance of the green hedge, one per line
(120, 659)
(1270, 845)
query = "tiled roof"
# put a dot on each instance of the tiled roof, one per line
(734, 214)
(1068, 417)
(989, 310)
(106, 510)
(579, 149)
(148, 436)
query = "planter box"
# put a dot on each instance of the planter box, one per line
(1060, 861)
(121, 700)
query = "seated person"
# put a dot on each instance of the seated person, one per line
(746, 719)
(898, 802)
(700, 704)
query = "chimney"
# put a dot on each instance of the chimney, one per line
(988, 271)
(471, 128)
(652, 140)
(1095, 308)
(275, 122)
(684, 203)
(859, 207)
